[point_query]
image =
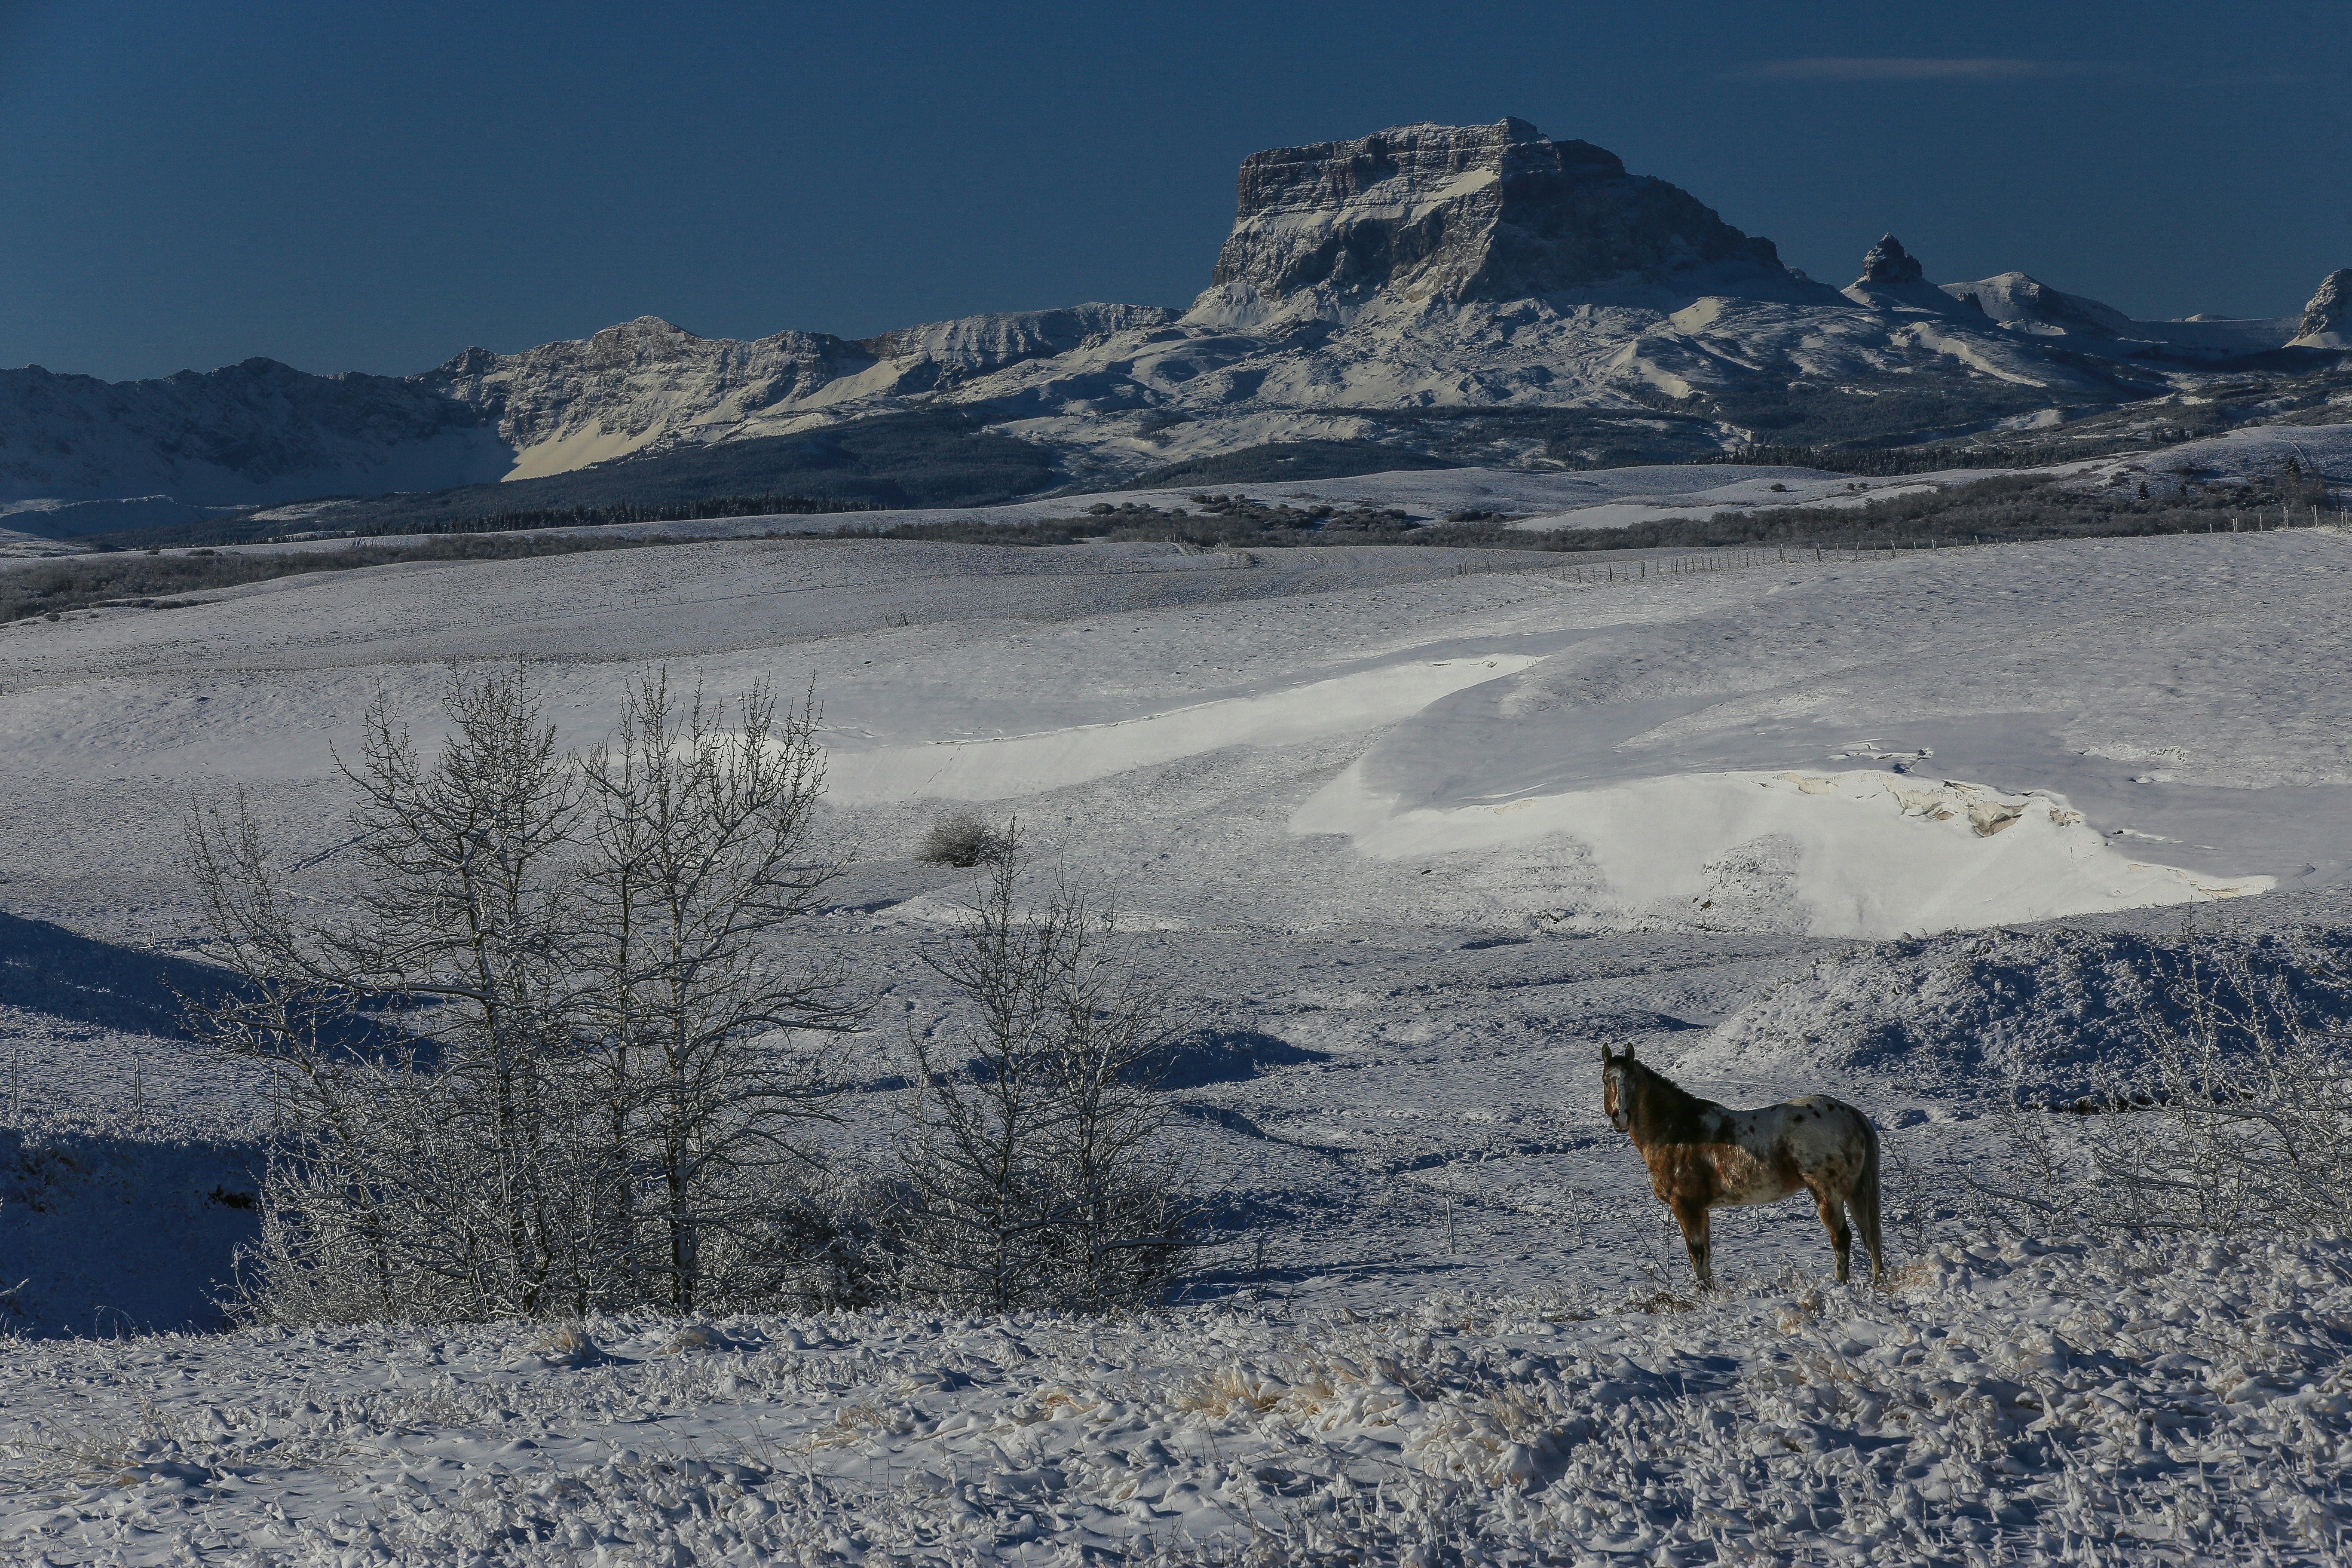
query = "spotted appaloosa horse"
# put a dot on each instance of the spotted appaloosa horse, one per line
(1704, 1156)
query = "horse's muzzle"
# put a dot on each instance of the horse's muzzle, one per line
(1619, 1120)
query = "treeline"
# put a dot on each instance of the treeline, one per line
(148, 580)
(1890, 462)
(1212, 521)
(2006, 507)
(563, 1047)
(525, 519)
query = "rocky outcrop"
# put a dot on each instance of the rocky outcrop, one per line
(630, 384)
(1467, 213)
(945, 352)
(1887, 264)
(647, 383)
(2327, 320)
(1893, 279)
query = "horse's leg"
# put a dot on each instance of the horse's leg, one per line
(1691, 1218)
(1832, 1212)
(1863, 1203)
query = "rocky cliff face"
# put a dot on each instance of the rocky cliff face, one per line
(1468, 212)
(2328, 320)
(1888, 265)
(565, 404)
(946, 353)
(648, 383)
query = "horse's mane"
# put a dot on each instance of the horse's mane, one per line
(1662, 1109)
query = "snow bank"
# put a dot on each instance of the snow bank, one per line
(1977, 1016)
(1860, 854)
(1943, 739)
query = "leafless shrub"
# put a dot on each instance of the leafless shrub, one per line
(1038, 1162)
(963, 840)
(2236, 1113)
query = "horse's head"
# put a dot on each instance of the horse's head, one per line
(1619, 1077)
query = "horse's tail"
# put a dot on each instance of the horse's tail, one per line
(1863, 1201)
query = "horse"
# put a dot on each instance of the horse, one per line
(1704, 1156)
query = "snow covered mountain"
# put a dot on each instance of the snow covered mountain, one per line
(1477, 293)
(245, 435)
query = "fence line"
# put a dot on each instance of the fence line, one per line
(1744, 557)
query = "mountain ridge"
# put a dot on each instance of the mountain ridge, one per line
(1472, 293)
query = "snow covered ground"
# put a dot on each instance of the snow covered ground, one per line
(1441, 824)
(2050, 1402)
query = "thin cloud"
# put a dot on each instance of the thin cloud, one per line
(1849, 67)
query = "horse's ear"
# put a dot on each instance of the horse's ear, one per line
(1629, 1051)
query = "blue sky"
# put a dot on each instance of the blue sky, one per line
(375, 187)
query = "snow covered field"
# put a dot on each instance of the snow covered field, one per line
(1438, 823)
(2044, 1403)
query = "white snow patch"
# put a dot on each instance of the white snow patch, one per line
(578, 448)
(1879, 856)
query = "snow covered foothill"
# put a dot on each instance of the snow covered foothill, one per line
(1534, 500)
(2184, 1403)
(2233, 458)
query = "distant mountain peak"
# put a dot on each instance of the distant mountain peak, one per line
(1466, 212)
(1888, 265)
(2027, 304)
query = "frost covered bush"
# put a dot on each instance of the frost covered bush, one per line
(960, 840)
(547, 1060)
(2233, 1110)
(1038, 1160)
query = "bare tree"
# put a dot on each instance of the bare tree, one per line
(462, 906)
(2240, 1111)
(452, 938)
(700, 849)
(1037, 1154)
(1129, 1214)
(545, 1061)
